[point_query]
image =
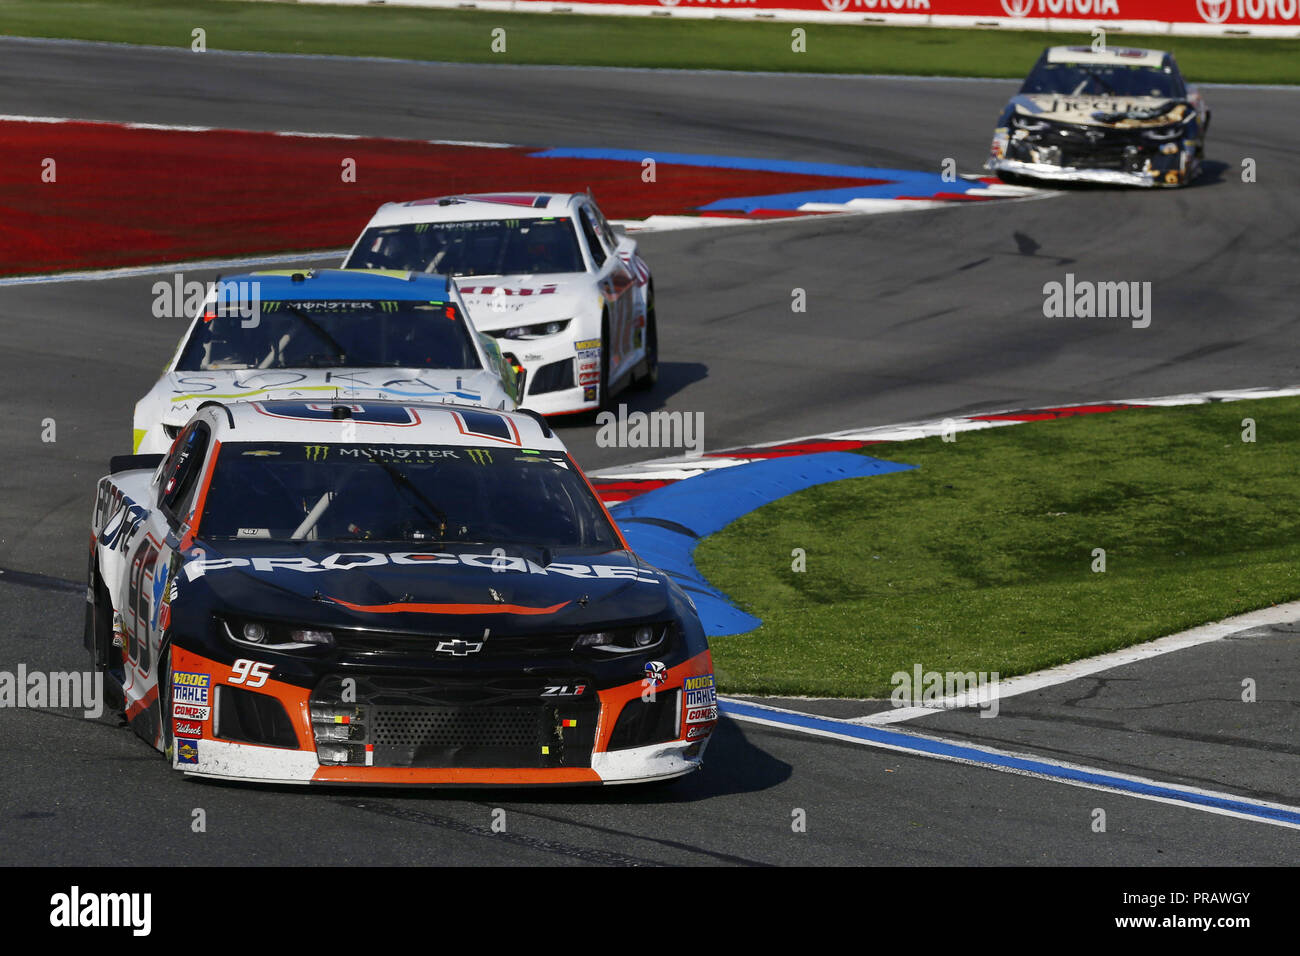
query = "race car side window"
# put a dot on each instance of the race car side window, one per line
(598, 253)
(605, 229)
(1171, 67)
(181, 473)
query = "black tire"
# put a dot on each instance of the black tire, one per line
(651, 376)
(604, 364)
(99, 636)
(164, 702)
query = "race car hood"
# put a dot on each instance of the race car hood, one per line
(181, 393)
(1123, 112)
(502, 302)
(412, 586)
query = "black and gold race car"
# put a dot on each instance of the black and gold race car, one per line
(1121, 116)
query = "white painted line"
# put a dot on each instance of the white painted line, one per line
(316, 135)
(162, 126)
(913, 431)
(1064, 673)
(1006, 761)
(98, 275)
(471, 142)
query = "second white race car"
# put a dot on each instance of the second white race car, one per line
(325, 335)
(569, 301)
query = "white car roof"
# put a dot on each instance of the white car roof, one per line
(1111, 56)
(474, 206)
(410, 424)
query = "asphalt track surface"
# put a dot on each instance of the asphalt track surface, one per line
(910, 316)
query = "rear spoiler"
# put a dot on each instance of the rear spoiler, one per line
(133, 463)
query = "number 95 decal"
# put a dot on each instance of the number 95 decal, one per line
(250, 673)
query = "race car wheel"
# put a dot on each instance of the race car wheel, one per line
(99, 628)
(651, 375)
(164, 702)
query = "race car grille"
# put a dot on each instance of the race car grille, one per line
(1085, 147)
(507, 727)
(552, 377)
(404, 721)
(370, 644)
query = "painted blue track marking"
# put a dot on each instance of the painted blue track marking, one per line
(928, 746)
(921, 185)
(898, 182)
(721, 162)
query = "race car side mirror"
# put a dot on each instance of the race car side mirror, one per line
(133, 463)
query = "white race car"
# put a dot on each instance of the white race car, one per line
(569, 301)
(325, 335)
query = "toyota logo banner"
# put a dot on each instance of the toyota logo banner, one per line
(1204, 16)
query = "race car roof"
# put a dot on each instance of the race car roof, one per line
(317, 284)
(474, 206)
(377, 422)
(1111, 56)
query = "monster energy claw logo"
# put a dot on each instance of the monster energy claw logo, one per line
(316, 452)
(480, 456)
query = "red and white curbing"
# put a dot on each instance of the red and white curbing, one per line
(992, 189)
(622, 482)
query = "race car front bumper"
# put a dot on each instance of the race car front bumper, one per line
(394, 734)
(563, 374)
(1115, 177)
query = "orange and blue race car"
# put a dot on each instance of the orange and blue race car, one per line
(381, 592)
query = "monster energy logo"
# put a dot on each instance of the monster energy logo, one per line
(316, 452)
(480, 456)
(270, 306)
(388, 306)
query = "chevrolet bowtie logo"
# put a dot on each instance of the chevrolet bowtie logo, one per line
(459, 648)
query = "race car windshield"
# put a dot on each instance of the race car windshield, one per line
(482, 248)
(418, 493)
(330, 334)
(1091, 79)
